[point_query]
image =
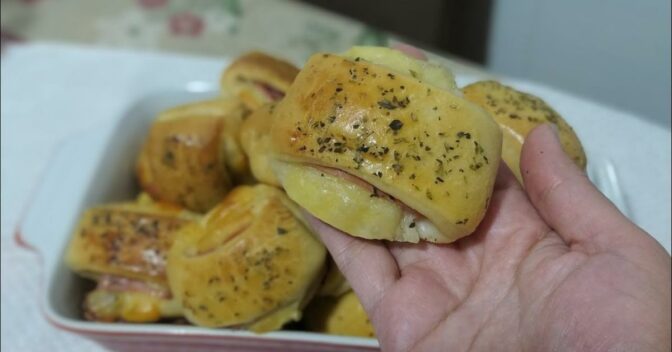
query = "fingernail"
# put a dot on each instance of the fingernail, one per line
(554, 127)
(554, 131)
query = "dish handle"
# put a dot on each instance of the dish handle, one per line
(59, 196)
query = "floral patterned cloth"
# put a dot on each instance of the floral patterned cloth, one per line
(217, 27)
(285, 28)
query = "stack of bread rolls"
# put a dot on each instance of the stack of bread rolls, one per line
(372, 142)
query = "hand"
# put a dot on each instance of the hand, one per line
(554, 267)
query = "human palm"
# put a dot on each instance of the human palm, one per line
(555, 267)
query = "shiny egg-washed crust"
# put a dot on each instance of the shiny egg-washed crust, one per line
(343, 315)
(192, 155)
(249, 263)
(518, 113)
(125, 239)
(232, 112)
(432, 150)
(245, 75)
(255, 138)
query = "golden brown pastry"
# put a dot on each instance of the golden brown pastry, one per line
(123, 247)
(192, 154)
(343, 315)
(518, 113)
(249, 263)
(255, 138)
(378, 153)
(257, 78)
(125, 239)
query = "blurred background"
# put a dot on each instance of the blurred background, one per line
(615, 52)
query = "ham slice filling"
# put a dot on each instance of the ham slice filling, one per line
(270, 92)
(375, 192)
(122, 284)
(413, 223)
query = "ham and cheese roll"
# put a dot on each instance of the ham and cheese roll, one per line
(123, 247)
(248, 264)
(192, 156)
(518, 113)
(255, 138)
(257, 78)
(383, 146)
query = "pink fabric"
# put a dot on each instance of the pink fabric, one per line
(186, 24)
(152, 4)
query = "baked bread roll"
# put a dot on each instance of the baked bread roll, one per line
(255, 138)
(343, 315)
(248, 264)
(365, 145)
(518, 113)
(123, 247)
(192, 155)
(125, 239)
(257, 78)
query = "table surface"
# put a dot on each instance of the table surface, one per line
(29, 134)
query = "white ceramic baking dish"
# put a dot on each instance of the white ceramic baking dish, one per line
(97, 167)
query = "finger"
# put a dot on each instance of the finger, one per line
(368, 265)
(564, 196)
(410, 51)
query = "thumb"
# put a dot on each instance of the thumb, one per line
(564, 196)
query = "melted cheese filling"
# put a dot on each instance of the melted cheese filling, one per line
(353, 205)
